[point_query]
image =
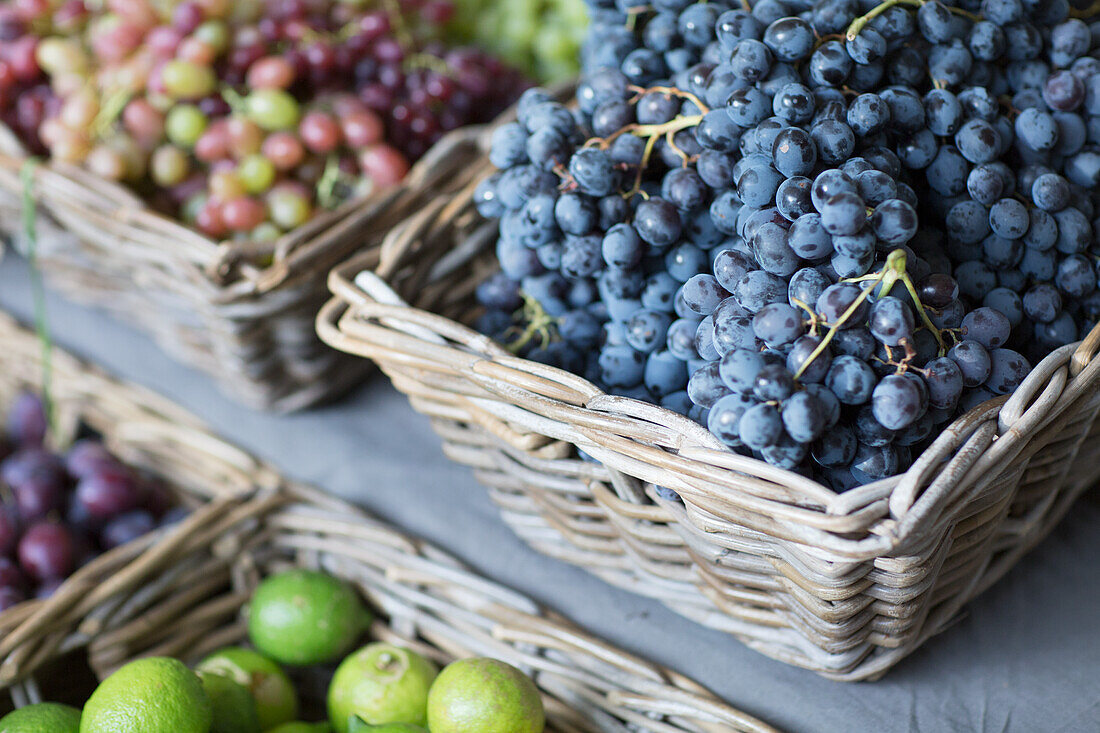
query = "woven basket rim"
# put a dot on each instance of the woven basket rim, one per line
(228, 267)
(409, 570)
(890, 513)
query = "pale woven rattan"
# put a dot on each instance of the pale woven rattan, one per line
(241, 312)
(180, 592)
(843, 584)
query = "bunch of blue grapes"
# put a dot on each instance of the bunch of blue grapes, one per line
(823, 230)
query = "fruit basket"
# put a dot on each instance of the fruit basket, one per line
(241, 313)
(845, 584)
(179, 592)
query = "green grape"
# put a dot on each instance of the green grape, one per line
(187, 80)
(265, 232)
(169, 165)
(190, 209)
(272, 109)
(257, 173)
(288, 209)
(213, 33)
(185, 124)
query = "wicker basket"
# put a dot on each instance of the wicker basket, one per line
(241, 312)
(179, 592)
(842, 584)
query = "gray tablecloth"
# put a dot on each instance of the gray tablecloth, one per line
(1026, 657)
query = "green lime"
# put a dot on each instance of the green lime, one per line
(475, 695)
(44, 717)
(302, 617)
(358, 726)
(380, 683)
(299, 727)
(148, 696)
(276, 700)
(234, 706)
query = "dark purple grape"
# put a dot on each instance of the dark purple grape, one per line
(47, 551)
(10, 596)
(108, 493)
(9, 528)
(27, 420)
(88, 456)
(37, 496)
(126, 527)
(10, 574)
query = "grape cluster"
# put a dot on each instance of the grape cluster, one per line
(57, 512)
(243, 119)
(542, 37)
(823, 230)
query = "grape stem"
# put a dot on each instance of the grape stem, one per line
(1086, 13)
(326, 186)
(110, 111)
(41, 321)
(538, 321)
(815, 319)
(892, 272)
(861, 22)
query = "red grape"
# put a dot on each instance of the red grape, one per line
(362, 128)
(284, 150)
(164, 40)
(271, 72)
(108, 493)
(209, 220)
(187, 16)
(144, 121)
(213, 144)
(383, 164)
(243, 213)
(319, 132)
(21, 58)
(47, 551)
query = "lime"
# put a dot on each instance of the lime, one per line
(234, 706)
(302, 617)
(45, 717)
(474, 695)
(299, 727)
(148, 696)
(380, 683)
(358, 726)
(276, 700)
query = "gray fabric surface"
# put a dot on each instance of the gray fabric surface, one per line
(1026, 657)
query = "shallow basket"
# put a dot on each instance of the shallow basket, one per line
(843, 584)
(241, 312)
(180, 592)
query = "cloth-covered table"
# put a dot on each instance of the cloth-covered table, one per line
(1025, 657)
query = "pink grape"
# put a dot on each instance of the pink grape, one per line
(320, 132)
(384, 165)
(243, 213)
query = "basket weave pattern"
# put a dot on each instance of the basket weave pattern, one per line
(843, 584)
(240, 311)
(180, 592)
